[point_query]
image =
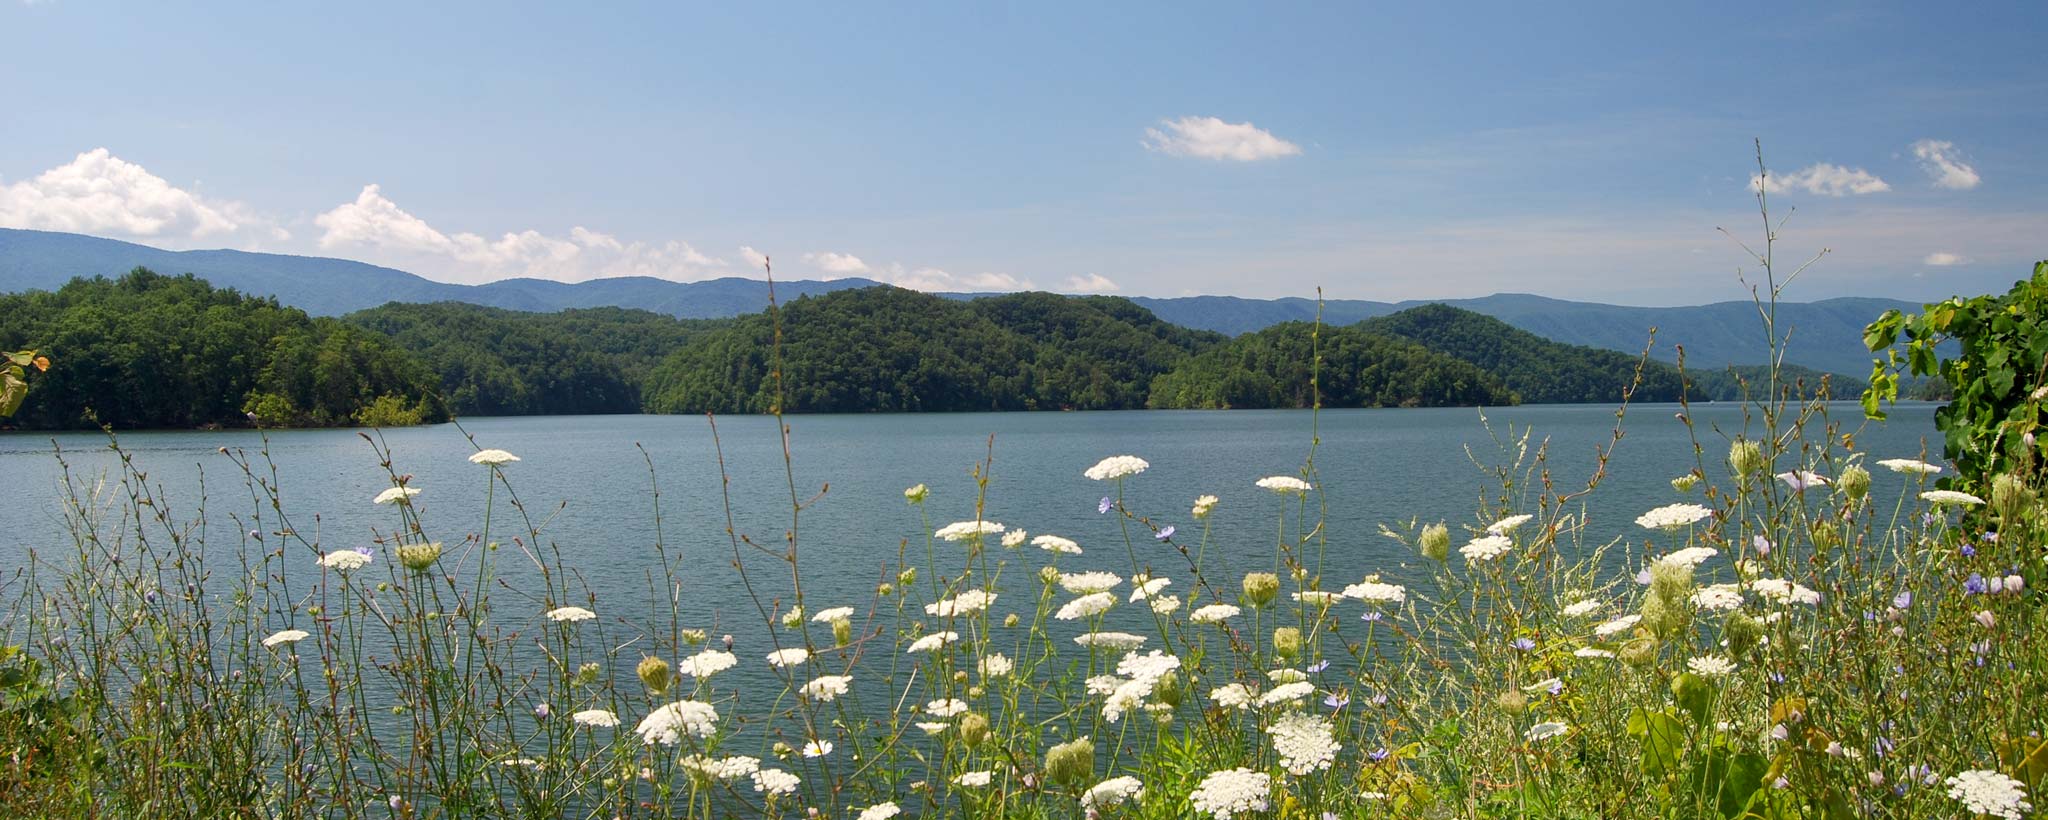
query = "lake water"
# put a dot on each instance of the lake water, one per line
(1378, 466)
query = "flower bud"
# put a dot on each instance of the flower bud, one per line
(1746, 458)
(1436, 542)
(1512, 701)
(917, 494)
(1743, 634)
(842, 632)
(1287, 642)
(1260, 587)
(1169, 690)
(1853, 481)
(782, 750)
(1639, 651)
(973, 728)
(2009, 495)
(1010, 619)
(907, 577)
(1685, 483)
(419, 557)
(655, 673)
(886, 589)
(1050, 575)
(693, 637)
(587, 674)
(1071, 763)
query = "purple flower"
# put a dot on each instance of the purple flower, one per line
(1337, 700)
(1319, 666)
(1763, 545)
(1378, 754)
(1379, 699)
(1990, 538)
(1643, 577)
(542, 711)
(366, 551)
(1370, 616)
(1104, 506)
(1524, 644)
(1902, 600)
(1974, 585)
(1165, 533)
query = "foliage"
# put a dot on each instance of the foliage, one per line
(14, 378)
(1989, 427)
(148, 350)
(1539, 370)
(1273, 368)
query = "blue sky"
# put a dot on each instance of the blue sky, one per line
(1585, 152)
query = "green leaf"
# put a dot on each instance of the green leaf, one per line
(1884, 332)
(1663, 739)
(1728, 780)
(12, 391)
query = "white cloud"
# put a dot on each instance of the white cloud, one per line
(1825, 179)
(756, 260)
(1941, 161)
(839, 263)
(1092, 283)
(375, 223)
(935, 280)
(1943, 260)
(1212, 138)
(99, 193)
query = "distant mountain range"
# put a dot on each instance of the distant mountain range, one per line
(1826, 335)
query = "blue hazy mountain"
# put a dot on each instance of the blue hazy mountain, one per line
(1826, 335)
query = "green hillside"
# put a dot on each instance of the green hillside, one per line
(1272, 368)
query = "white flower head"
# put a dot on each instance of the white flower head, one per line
(1214, 613)
(837, 613)
(595, 718)
(1508, 524)
(667, 725)
(932, 641)
(1225, 794)
(1284, 484)
(825, 688)
(1990, 793)
(1718, 598)
(817, 748)
(1950, 497)
(1486, 548)
(1582, 608)
(775, 782)
(1711, 666)
(878, 811)
(1782, 591)
(1146, 586)
(1545, 731)
(974, 780)
(286, 636)
(966, 603)
(1287, 693)
(402, 495)
(1054, 543)
(1376, 592)
(1689, 557)
(964, 530)
(707, 663)
(1673, 517)
(570, 614)
(492, 457)
(1616, 626)
(1304, 743)
(1908, 465)
(1014, 539)
(1116, 467)
(996, 665)
(1082, 583)
(1086, 606)
(345, 560)
(793, 656)
(1111, 792)
(1111, 640)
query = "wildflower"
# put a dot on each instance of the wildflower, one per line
(815, 748)
(1230, 792)
(1104, 505)
(1287, 693)
(1784, 592)
(1287, 641)
(1582, 608)
(973, 780)
(344, 560)
(286, 636)
(1163, 604)
(1903, 600)
(1284, 484)
(1616, 626)
(973, 728)
(971, 601)
(825, 688)
(1552, 686)
(1116, 467)
(932, 641)
(1908, 465)
(1854, 481)
(1508, 524)
(945, 707)
(1317, 597)
(668, 724)
(1111, 792)
(1286, 675)
(1145, 586)
(1304, 743)
(654, 673)
(1523, 644)
(1486, 548)
(1990, 793)
(1718, 598)
(837, 613)
(964, 530)
(1590, 652)
(1435, 542)
(1762, 545)
(1213, 613)
(1232, 696)
(595, 718)
(996, 665)
(1070, 762)
(1202, 507)
(1689, 557)
(1986, 619)
(1545, 730)
(1950, 497)
(793, 656)
(1337, 700)
(402, 495)
(1260, 587)
(1111, 640)
(1745, 458)
(1799, 480)
(880, 811)
(542, 711)
(775, 781)
(933, 728)
(493, 458)
(1086, 606)
(1710, 666)
(1512, 702)
(1083, 583)
(1673, 516)
(708, 662)
(917, 494)
(1376, 592)
(570, 614)
(1054, 543)
(1685, 483)
(419, 557)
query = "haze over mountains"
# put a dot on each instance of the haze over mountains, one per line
(1825, 334)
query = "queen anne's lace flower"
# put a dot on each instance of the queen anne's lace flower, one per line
(974, 780)
(775, 782)
(286, 636)
(880, 811)
(963, 530)
(1014, 539)
(570, 614)
(1082, 583)
(1908, 465)
(1799, 480)
(400, 494)
(1214, 613)
(996, 665)
(1590, 652)
(932, 641)
(945, 707)
(1163, 604)
(1673, 516)
(1111, 640)
(1486, 548)
(1784, 592)
(1230, 792)
(1232, 696)
(1317, 597)
(707, 663)
(1054, 543)
(824, 688)
(1116, 467)
(1690, 557)
(1287, 693)
(345, 560)
(1111, 792)
(668, 724)
(595, 718)
(1202, 507)
(792, 656)
(1304, 743)
(1616, 626)
(1950, 497)
(1990, 793)
(1377, 592)
(1545, 731)
(1718, 598)
(1146, 586)
(1710, 666)
(1581, 609)
(1284, 484)
(837, 613)
(1086, 606)
(492, 457)
(1508, 524)
(969, 602)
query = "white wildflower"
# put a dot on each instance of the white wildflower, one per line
(1718, 598)
(667, 724)
(1082, 583)
(1214, 613)
(1690, 557)
(345, 560)
(837, 613)
(1317, 597)
(880, 811)
(286, 636)
(963, 530)
(817, 748)
(945, 707)
(1784, 592)
(1377, 592)
(1163, 604)
(966, 603)
(1086, 606)
(1304, 743)
(1950, 497)
(1232, 696)
(1111, 792)
(1230, 792)
(996, 665)
(1990, 793)
(1054, 543)
(1508, 524)
(1581, 609)
(1284, 484)
(825, 688)
(793, 656)
(1111, 640)
(1486, 548)
(492, 457)
(1909, 465)
(1286, 675)
(1146, 586)
(1590, 652)
(707, 663)
(1116, 467)
(932, 641)
(1014, 539)
(933, 727)
(1616, 626)
(1710, 666)
(974, 780)
(1203, 505)
(596, 718)
(775, 782)
(1545, 730)
(1287, 693)
(570, 614)
(1673, 516)
(402, 495)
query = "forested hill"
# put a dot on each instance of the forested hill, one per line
(1539, 370)
(1273, 368)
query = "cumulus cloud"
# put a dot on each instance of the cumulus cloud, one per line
(756, 260)
(1943, 260)
(840, 263)
(1212, 138)
(935, 280)
(1825, 179)
(99, 193)
(1092, 283)
(375, 223)
(1945, 165)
